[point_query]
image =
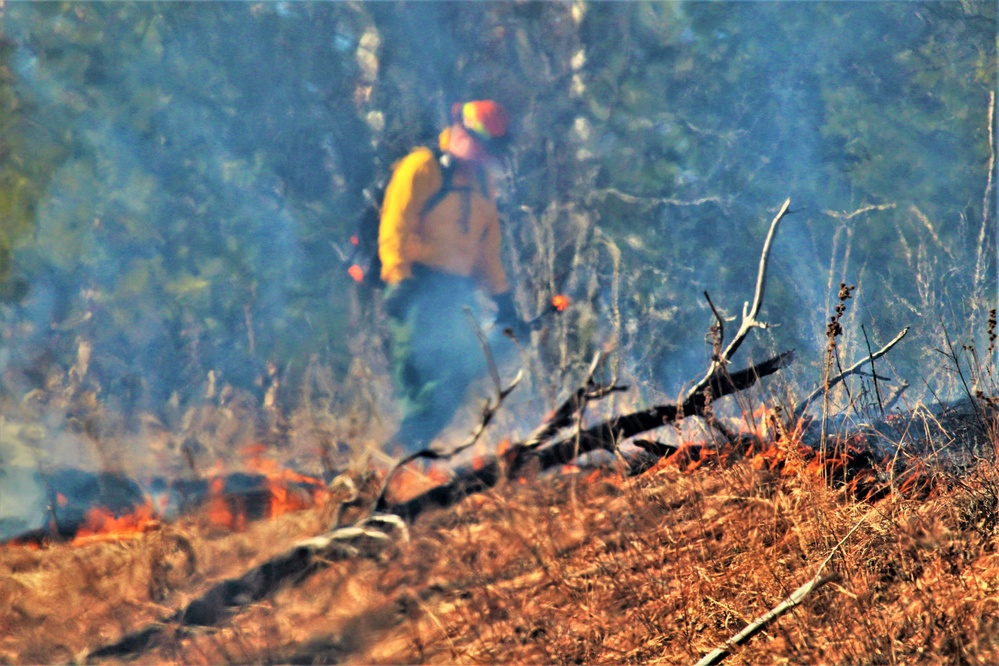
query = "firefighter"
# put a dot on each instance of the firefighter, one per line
(439, 242)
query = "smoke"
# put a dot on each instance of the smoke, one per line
(213, 154)
(126, 230)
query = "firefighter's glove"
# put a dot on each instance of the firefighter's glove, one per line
(508, 320)
(398, 298)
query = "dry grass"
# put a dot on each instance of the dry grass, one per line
(658, 568)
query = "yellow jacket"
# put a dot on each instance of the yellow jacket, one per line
(438, 238)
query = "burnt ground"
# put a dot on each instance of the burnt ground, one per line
(579, 567)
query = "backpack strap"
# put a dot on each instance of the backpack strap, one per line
(447, 167)
(447, 178)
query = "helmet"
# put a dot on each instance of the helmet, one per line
(486, 120)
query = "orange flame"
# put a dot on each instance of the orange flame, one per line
(560, 302)
(218, 509)
(356, 272)
(100, 524)
(284, 491)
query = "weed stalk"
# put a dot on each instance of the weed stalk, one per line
(834, 329)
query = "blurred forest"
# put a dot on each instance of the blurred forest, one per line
(178, 179)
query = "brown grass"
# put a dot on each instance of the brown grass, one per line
(658, 568)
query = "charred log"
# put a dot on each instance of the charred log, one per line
(523, 457)
(609, 434)
(368, 539)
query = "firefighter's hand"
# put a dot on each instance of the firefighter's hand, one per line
(398, 298)
(508, 320)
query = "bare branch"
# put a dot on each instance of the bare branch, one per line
(987, 221)
(718, 655)
(859, 211)
(486, 350)
(749, 318)
(567, 413)
(720, 340)
(874, 374)
(803, 405)
(648, 201)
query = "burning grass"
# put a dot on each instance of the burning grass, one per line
(582, 567)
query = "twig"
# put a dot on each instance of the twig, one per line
(874, 374)
(718, 655)
(803, 405)
(964, 382)
(486, 350)
(648, 201)
(489, 410)
(859, 211)
(986, 220)
(717, 343)
(568, 412)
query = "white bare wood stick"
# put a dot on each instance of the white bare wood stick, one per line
(718, 655)
(749, 315)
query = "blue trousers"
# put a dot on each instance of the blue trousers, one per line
(436, 353)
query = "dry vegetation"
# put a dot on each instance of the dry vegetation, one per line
(572, 566)
(579, 567)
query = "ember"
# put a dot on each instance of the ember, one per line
(558, 303)
(356, 272)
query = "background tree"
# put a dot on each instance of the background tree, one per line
(177, 176)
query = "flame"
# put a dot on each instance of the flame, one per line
(760, 421)
(100, 524)
(356, 272)
(438, 475)
(264, 489)
(283, 491)
(560, 302)
(218, 509)
(354, 240)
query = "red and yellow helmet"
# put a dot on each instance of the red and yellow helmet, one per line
(486, 120)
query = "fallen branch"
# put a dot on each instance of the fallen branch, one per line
(516, 461)
(368, 539)
(608, 434)
(718, 655)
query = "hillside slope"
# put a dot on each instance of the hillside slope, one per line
(576, 568)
